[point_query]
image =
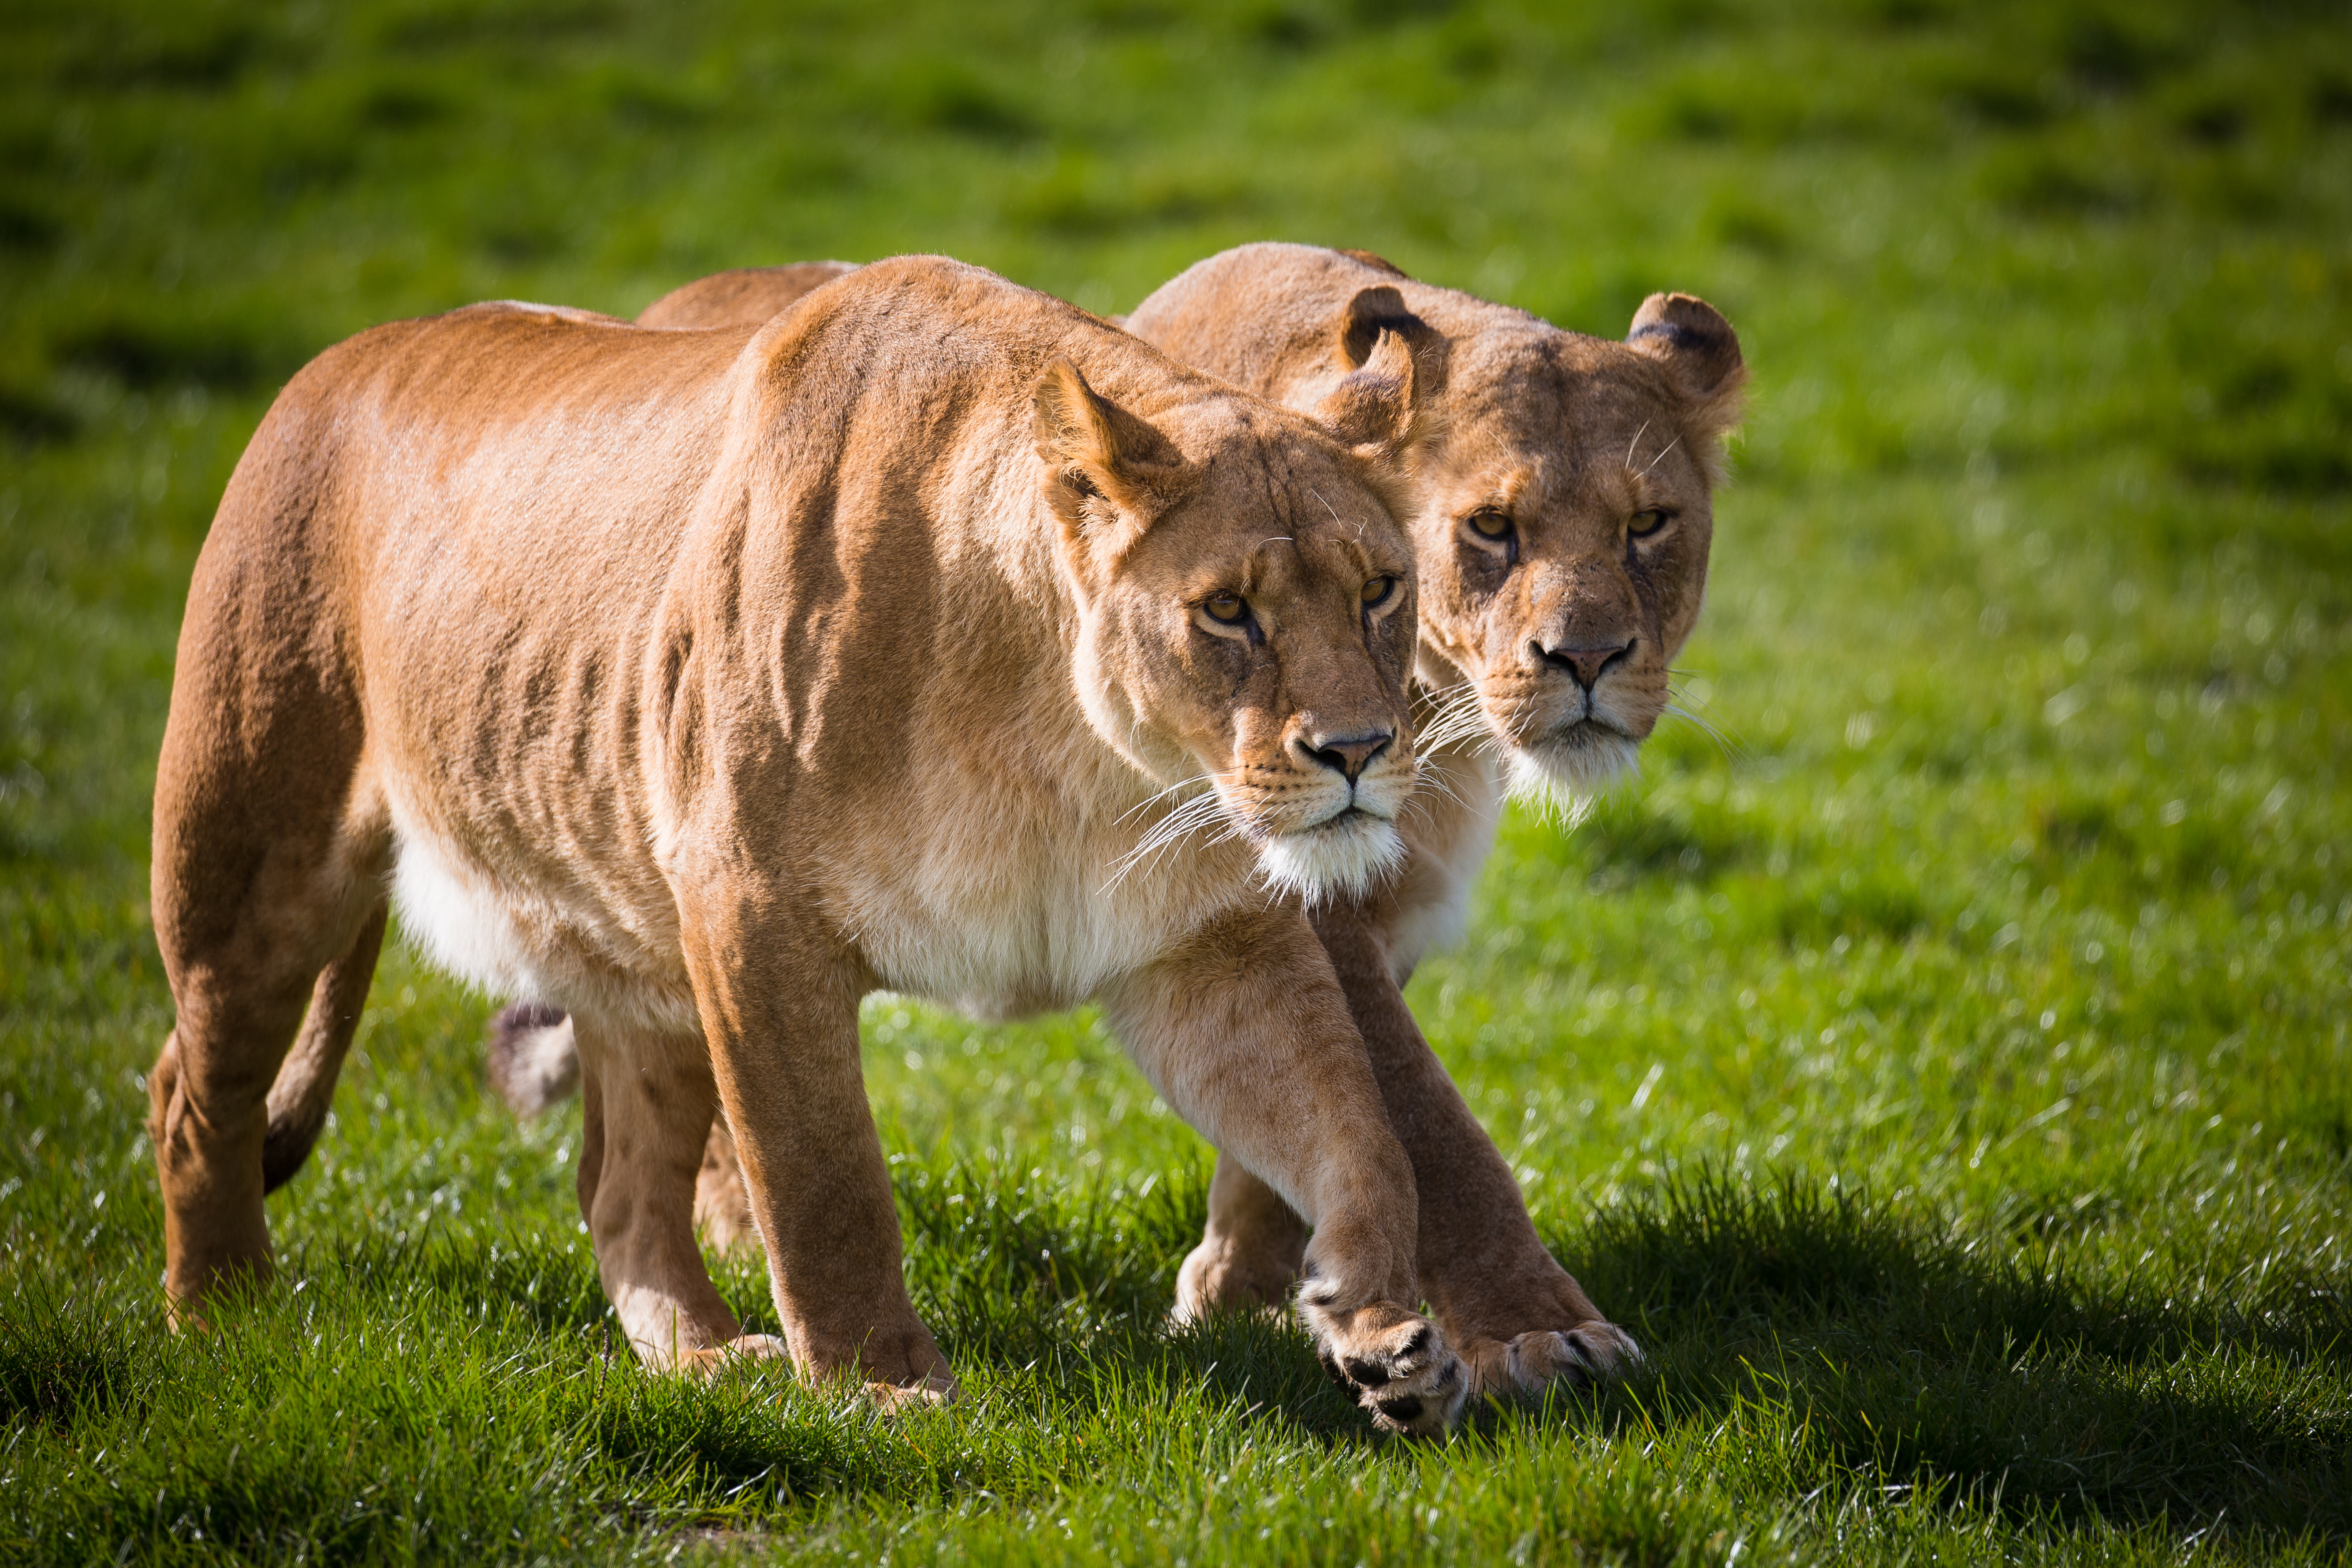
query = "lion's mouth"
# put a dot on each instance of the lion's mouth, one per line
(1567, 765)
(1591, 730)
(1344, 854)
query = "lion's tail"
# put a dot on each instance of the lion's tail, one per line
(534, 1062)
(305, 1085)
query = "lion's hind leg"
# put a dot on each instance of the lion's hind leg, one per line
(305, 1085)
(649, 1104)
(1251, 1253)
(245, 972)
(271, 842)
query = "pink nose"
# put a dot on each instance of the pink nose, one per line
(1346, 756)
(1588, 665)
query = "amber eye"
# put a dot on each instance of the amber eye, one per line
(1377, 590)
(1488, 523)
(1230, 608)
(1645, 523)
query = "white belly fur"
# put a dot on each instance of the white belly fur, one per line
(514, 942)
(992, 940)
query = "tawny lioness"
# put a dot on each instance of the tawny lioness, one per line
(700, 682)
(1562, 526)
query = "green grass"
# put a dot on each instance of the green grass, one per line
(1946, 1075)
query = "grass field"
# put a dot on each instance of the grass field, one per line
(1944, 1072)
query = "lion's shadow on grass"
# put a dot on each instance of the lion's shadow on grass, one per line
(1898, 1347)
(1887, 1342)
(1988, 1364)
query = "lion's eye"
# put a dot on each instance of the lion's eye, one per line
(1488, 523)
(1645, 523)
(1377, 590)
(1230, 608)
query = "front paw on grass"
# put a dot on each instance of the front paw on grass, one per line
(713, 1360)
(1414, 1385)
(1581, 1357)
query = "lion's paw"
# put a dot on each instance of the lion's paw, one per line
(1216, 1278)
(1394, 1363)
(894, 1399)
(1530, 1361)
(712, 1360)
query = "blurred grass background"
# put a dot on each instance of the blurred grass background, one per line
(1943, 1070)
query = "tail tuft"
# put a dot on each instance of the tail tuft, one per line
(533, 1061)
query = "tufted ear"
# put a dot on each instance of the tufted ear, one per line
(1395, 365)
(1107, 473)
(1374, 310)
(1700, 352)
(1701, 355)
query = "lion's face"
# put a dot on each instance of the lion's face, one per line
(1247, 624)
(1563, 539)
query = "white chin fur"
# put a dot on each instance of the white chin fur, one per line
(1559, 778)
(1346, 856)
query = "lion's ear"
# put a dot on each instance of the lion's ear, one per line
(1701, 353)
(1071, 421)
(1107, 473)
(1395, 365)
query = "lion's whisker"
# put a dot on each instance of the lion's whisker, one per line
(1731, 749)
(1453, 721)
(1149, 800)
(1431, 779)
(1186, 819)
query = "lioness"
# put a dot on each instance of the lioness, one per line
(700, 682)
(1562, 525)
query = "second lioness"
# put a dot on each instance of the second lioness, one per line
(1563, 529)
(701, 682)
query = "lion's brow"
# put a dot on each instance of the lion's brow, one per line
(1258, 554)
(1256, 565)
(1334, 516)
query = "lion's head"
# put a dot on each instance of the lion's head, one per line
(1564, 527)
(1562, 515)
(1247, 608)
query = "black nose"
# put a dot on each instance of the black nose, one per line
(1343, 755)
(1588, 665)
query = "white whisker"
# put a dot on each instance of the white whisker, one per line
(1635, 442)
(1431, 779)
(1726, 739)
(1187, 818)
(1451, 722)
(1731, 749)
(1152, 799)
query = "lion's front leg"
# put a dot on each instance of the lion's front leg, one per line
(780, 1012)
(1246, 1031)
(1517, 1317)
